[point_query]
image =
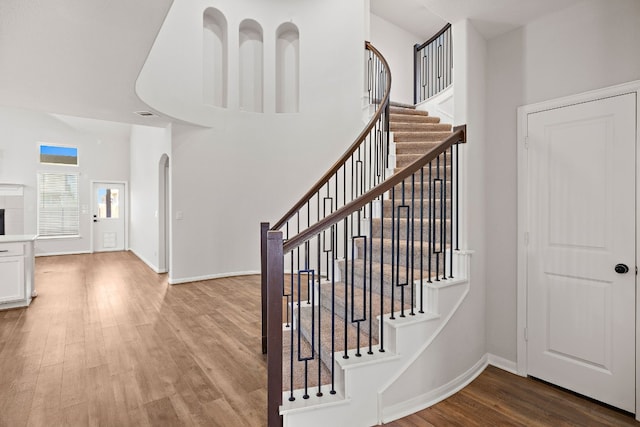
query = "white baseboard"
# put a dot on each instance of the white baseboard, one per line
(146, 261)
(182, 280)
(502, 363)
(426, 400)
(62, 253)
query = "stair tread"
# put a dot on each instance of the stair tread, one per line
(339, 328)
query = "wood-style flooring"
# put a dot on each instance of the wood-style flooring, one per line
(109, 343)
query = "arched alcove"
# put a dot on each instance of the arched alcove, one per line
(251, 66)
(287, 68)
(214, 58)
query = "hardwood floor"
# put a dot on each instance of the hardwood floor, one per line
(109, 343)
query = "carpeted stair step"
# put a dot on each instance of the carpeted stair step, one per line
(429, 125)
(401, 231)
(404, 160)
(380, 277)
(360, 301)
(413, 118)
(385, 249)
(327, 326)
(420, 136)
(415, 147)
(386, 209)
(407, 111)
(298, 374)
(401, 105)
(416, 190)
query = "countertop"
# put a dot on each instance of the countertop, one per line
(15, 238)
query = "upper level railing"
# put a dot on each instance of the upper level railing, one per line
(433, 65)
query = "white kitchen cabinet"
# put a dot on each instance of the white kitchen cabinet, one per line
(16, 271)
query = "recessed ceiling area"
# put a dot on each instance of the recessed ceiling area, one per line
(490, 17)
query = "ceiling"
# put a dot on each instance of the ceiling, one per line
(77, 57)
(82, 57)
(490, 17)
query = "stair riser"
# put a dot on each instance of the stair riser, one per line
(385, 253)
(401, 229)
(387, 210)
(416, 192)
(419, 127)
(415, 147)
(413, 118)
(403, 160)
(420, 136)
(408, 111)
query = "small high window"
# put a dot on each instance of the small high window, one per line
(55, 154)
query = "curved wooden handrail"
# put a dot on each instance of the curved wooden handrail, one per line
(352, 149)
(458, 136)
(438, 34)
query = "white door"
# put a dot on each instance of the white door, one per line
(109, 214)
(580, 311)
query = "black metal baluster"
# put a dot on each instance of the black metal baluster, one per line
(443, 229)
(370, 305)
(457, 201)
(334, 244)
(431, 214)
(421, 240)
(410, 220)
(393, 258)
(381, 325)
(452, 219)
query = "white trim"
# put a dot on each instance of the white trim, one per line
(11, 190)
(523, 220)
(146, 261)
(127, 200)
(502, 363)
(432, 397)
(173, 281)
(62, 253)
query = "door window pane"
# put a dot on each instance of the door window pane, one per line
(108, 203)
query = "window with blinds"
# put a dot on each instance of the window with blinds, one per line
(58, 206)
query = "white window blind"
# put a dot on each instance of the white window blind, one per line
(58, 208)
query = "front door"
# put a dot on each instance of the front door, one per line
(109, 214)
(581, 274)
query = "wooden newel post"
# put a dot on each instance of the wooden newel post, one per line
(264, 228)
(275, 283)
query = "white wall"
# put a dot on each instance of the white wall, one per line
(396, 45)
(590, 45)
(103, 152)
(148, 144)
(243, 168)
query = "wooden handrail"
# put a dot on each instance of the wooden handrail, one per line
(458, 136)
(352, 149)
(438, 34)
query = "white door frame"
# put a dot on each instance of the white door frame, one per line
(125, 213)
(523, 211)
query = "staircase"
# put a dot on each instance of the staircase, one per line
(369, 259)
(349, 297)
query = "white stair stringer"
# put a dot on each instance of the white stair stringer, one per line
(361, 381)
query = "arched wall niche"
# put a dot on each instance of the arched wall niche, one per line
(214, 58)
(287, 68)
(251, 66)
